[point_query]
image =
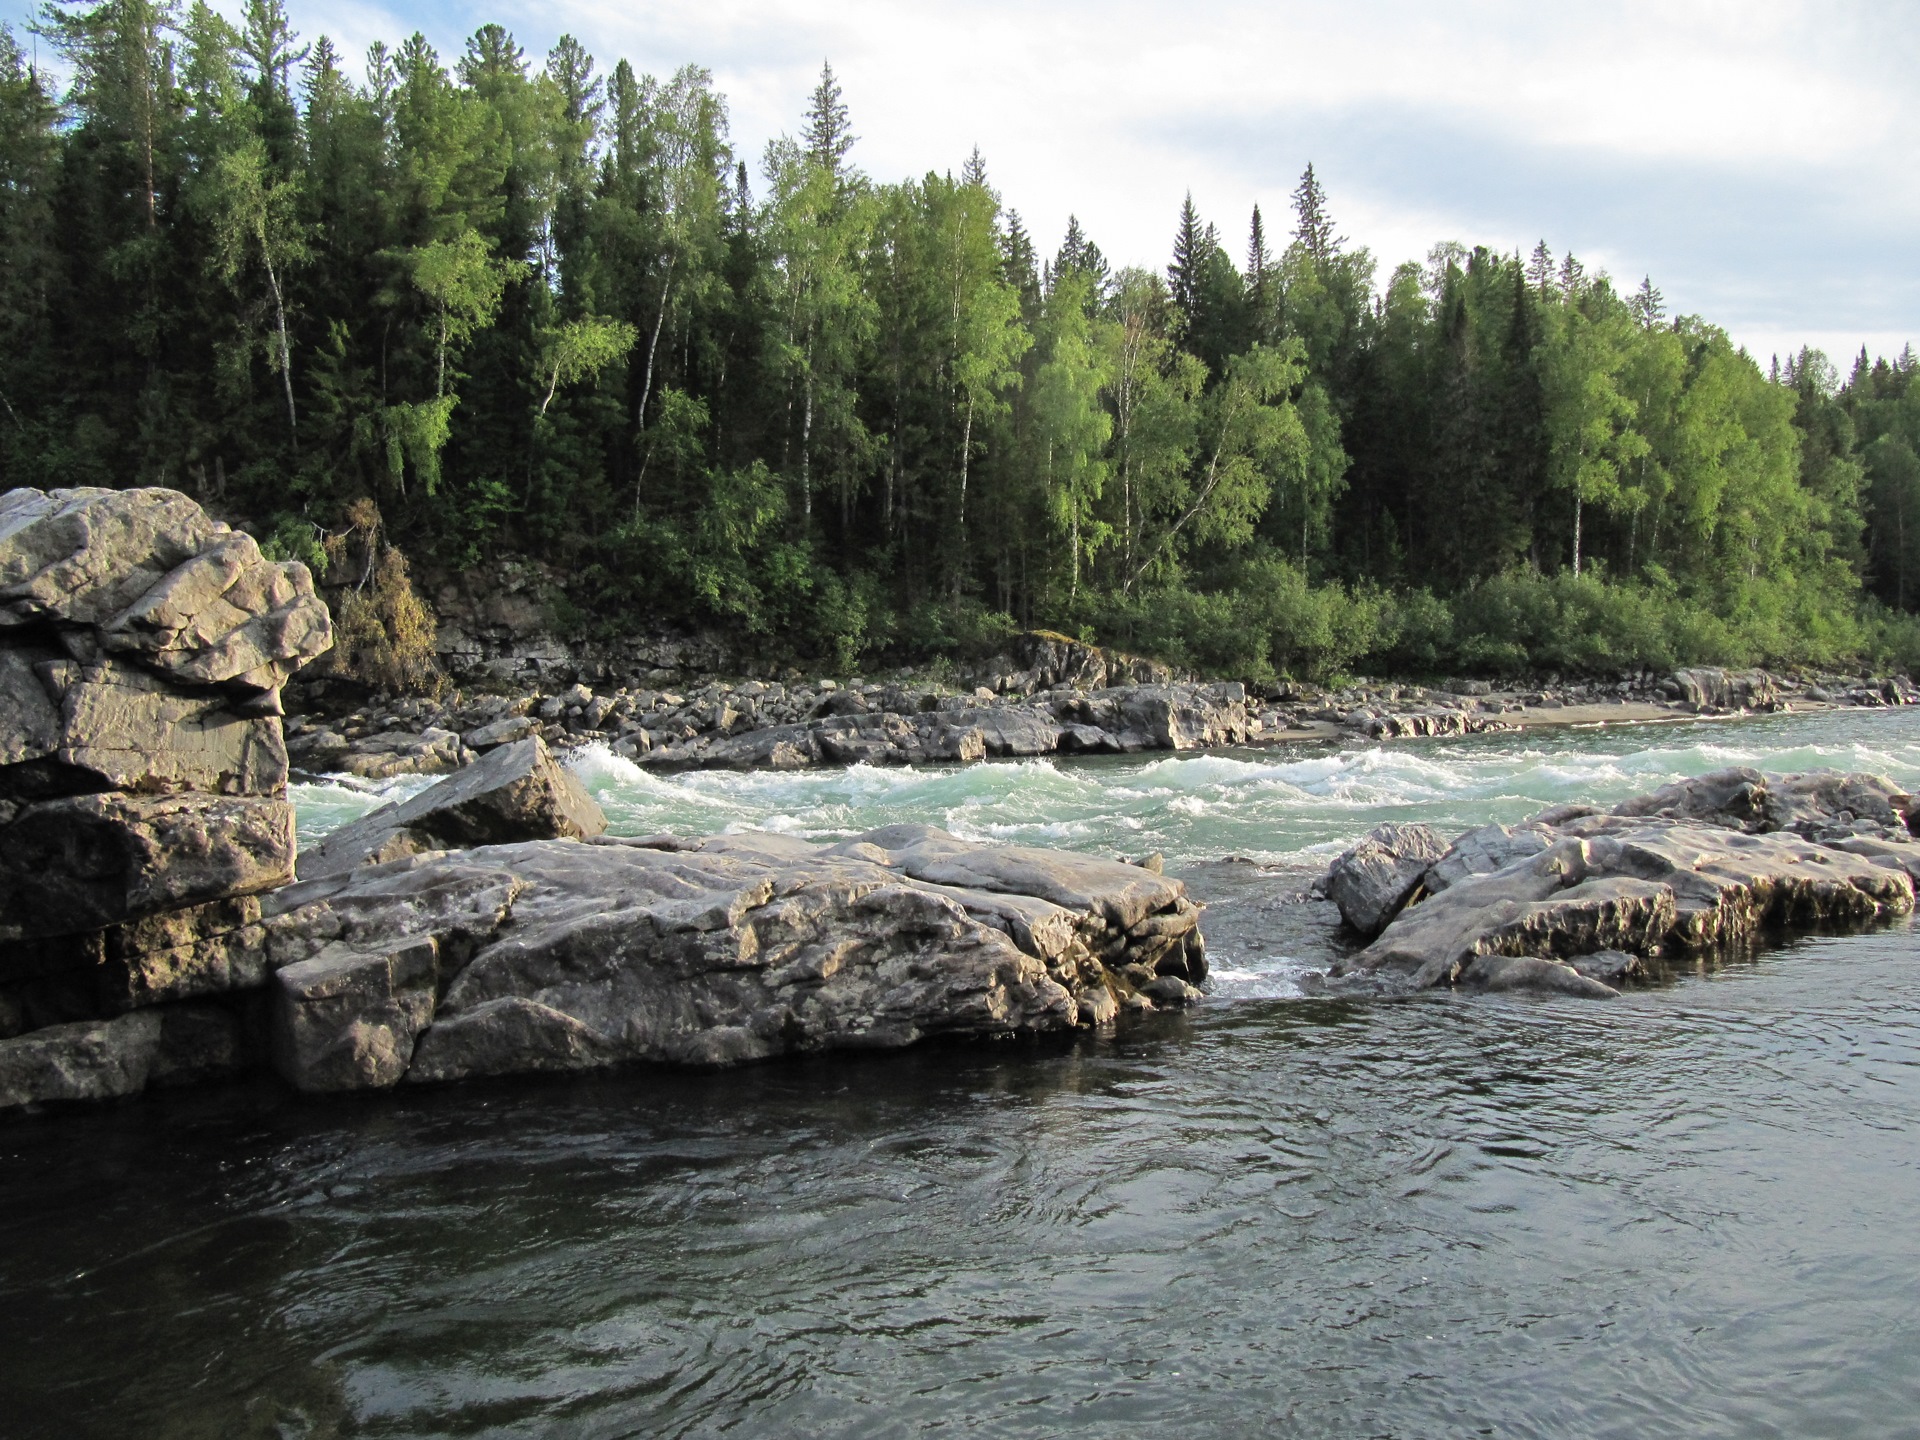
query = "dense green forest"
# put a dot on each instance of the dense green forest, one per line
(503, 307)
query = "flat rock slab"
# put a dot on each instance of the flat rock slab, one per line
(560, 955)
(1707, 864)
(517, 791)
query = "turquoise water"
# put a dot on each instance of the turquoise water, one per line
(1293, 804)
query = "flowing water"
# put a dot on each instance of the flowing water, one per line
(1690, 1211)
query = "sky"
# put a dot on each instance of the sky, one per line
(1756, 158)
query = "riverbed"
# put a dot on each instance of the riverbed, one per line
(1687, 1211)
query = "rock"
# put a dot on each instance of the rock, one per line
(401, 752)
(1744, 799)
(1531, 972)
(1735, 797)
(152, 577)
(143, 767)
(499, 732)
(108, 726)
(208, 949)
(202, 1043)
(563, 955)
(347, 1019)
(1637, 884)
(1482, 851)
(87, 1060)
(515, 792)
(1170, 992)
(1375, 877)
(90, 861)
(1609, 967)
(1707, 688)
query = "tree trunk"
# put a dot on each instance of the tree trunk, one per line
(806, 445)
(966, 453)
(1576, 537)
(286, 352)
(653, 345)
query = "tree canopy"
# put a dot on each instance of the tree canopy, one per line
(537, 308)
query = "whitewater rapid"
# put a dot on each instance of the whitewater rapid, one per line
(1285, 806)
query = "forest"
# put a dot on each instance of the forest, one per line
(464, 310)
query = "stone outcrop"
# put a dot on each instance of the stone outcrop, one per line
(559, 956)
(848, 729)
(514, 792)
(1708, 865)
(142, 769)
(565, 955)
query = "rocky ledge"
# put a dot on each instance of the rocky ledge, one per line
(576, 954)
(1577, 899)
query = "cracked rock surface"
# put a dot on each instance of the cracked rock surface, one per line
(1708, 865)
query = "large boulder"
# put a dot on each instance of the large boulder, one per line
(143, 768)
(149, 575)
(515, 792)
(90, 861)
(555, 955)
(1710, 688)
(1818, 804)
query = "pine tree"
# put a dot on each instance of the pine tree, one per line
(1573, 278)
(827, 134)
(1540, 271)
(1190, 250)
(1647, 305)
(1313, 223)
(1079, 255)
(974, 172)
(1259, 257)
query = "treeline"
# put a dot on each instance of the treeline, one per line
(508, 307)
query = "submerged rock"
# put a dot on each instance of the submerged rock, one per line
(517, 791)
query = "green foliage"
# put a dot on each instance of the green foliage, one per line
(531, 307)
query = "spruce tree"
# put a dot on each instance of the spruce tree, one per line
(1313, 222)
(828, 134)
(1191, 246)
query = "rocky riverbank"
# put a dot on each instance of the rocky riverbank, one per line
(1047, 696)
(153, 932)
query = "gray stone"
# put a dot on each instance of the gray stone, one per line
(347, 1019)
(1481, 852)
(155, 578)
(1169, 992)
(1376, 876)
(86, 1060)
(89, 861)
(394, 753)
(110, 726)
(1531, 972)
(1640, 885)
(515, 792)
(500, 732)
(564, 955)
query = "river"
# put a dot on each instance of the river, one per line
(1688, 1211)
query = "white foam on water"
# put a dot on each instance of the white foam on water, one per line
(1274, 977)
(1282, 806)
